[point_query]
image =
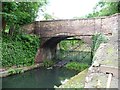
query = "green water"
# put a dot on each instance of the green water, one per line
(38, 78)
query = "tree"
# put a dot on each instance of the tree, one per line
(48, 16)
(105, 9)
(19, 13)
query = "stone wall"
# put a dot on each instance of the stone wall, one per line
(105, 60)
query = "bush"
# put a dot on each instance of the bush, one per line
(19, 50)
(48, 63)
(97, 39)
(76, 66)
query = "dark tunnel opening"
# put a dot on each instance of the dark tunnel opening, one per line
(52, 42)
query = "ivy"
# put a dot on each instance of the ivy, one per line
(19, 50)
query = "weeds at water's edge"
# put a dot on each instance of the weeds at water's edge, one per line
(11, 71)
(77, 66)
(48, 63)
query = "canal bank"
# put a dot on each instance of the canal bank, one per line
(77, 81)
(15, 70)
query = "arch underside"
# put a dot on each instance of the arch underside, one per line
(47, 50)
(52, 42)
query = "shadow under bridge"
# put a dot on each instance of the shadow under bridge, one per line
(64, 47)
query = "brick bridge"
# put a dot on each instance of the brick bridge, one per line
(53, 31)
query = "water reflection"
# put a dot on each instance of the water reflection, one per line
(38, 78)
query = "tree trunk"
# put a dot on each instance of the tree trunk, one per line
(3, 23)
(11, 30)
(3, 19)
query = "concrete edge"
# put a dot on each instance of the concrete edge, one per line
(6, 72)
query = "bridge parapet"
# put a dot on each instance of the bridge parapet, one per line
(78, 27)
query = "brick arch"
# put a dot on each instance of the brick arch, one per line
(83, 28)
(47, 50)
(56, 38)
(52, 42)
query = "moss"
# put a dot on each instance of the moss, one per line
(77, 81)
(110, 50)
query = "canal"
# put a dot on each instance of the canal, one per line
(38, 78)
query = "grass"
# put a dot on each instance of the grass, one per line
(76, 66)
(77, 81)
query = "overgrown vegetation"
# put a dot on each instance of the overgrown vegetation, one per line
(80, 59)
(97, 39)
(48, 63)
(105, 9)
(74, 50)
(77, 66)
(78, 56)
(15, 71)
(68, 44)
(77, 52)
(15, 14)
(19, 50)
